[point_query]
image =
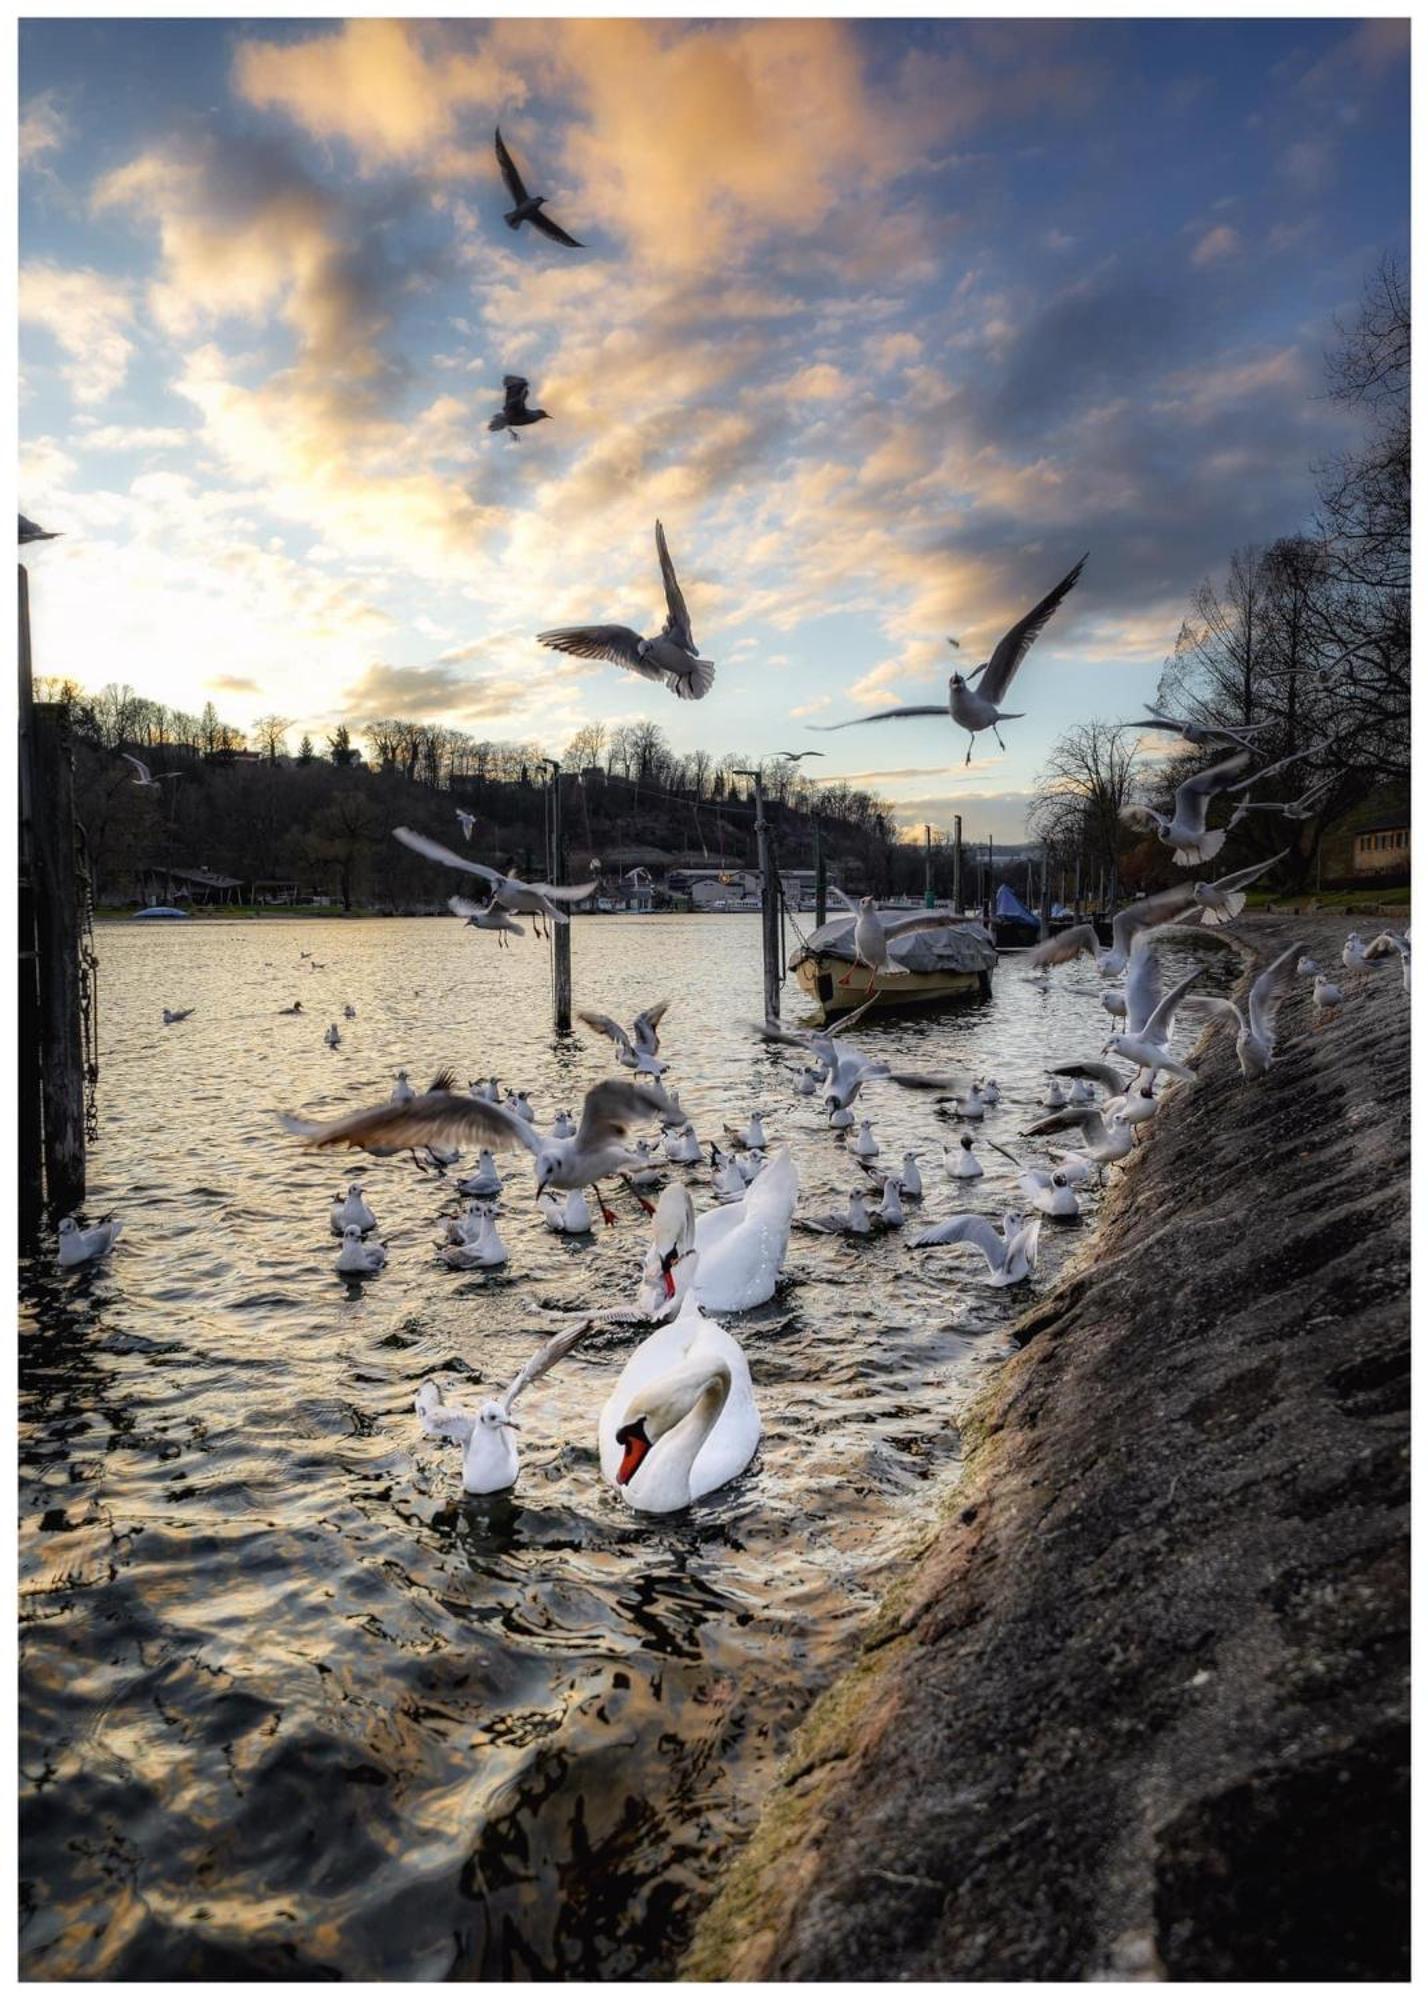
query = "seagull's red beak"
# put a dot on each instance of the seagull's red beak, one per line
(637, 1446)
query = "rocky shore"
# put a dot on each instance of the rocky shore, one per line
(1140, 1710)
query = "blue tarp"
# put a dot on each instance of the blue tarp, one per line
(1009, 904)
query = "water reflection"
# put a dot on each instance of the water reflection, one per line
(293, 1706)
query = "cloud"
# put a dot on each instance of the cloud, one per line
(132, 437)
(819, 383)
(395, 91)
(86, 314)
(44, 128)
(234, 684)
(814, 707)
(434, 692)
(1215, 245)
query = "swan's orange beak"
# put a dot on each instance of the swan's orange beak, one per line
(637, 1445)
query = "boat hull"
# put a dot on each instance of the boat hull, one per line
(821, 978)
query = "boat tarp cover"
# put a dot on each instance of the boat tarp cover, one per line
(963, 947)
(1009, 904)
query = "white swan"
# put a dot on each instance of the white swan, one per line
(742, 1247)
(490, 1460)
(681, 1420)
(352, 1209)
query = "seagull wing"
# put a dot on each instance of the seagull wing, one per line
(909, 1079)
(1212, 1007)
(1271, 990)
(515, 186)
(437, 1420)
(676, 625)
(1097, 1072)
(436, 1117)
(1138, 917)
(1270, 770)
(516, 388)
(601, 642)
(1243, 876)
(1083, 1117)
(1142, 986)
(847, 901)
(139, 766)
(1013, 649)
(544, 1359)
(1066, 945)
(419, 843)
(646, 1027)
(562, 892)
(1162, 1019)
(612, 1107)
(883, 715)
(603, 1025)
(973, 1229)
(1138, 815)
(548, 227)
(1192, 799)
(929, 920)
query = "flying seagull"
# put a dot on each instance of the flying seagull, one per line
(442, 1115)
(797, 756)
(672, 658)
(513, 415)
(1204, 734)
(1184, 828)
(29, 532)
(980, 708)
(523, 899)
(528, 206)
(145, 777)
(1256, 1028)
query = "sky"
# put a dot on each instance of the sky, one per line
(887, 322)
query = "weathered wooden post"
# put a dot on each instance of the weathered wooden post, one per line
(820, 876)
(30, 1121)
(57, 942)
(928, 899)
(559, 933)
(957, 863)
(768, 901)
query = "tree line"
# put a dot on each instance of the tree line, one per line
(1306, 640)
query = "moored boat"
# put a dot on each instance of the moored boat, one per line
(954, 962)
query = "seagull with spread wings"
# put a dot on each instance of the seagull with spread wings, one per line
(529, 207)
(514, 413)
(522, 899)
(873, 934)
(640, 1051)
(1257, 1026)
(444, 1116)
(1205, 735)
(671, 657)
(980, 708)
(1184, 828)
(489, 1458)
(1125, 927)
(145, 776)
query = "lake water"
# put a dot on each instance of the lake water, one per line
(292, 1707)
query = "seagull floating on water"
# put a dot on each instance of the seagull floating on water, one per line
(352, 1212)
(357, 1259)
(963, 1165)
(671, 657)
(175, 1014)
(570, 1217)
(83, 1246)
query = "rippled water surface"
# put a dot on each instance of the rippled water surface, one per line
(293, 1706)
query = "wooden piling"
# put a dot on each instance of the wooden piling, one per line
(957, 863)
(29, 1115)
(57, 928)
(820, 876)
(768, 906)
(559, 933)
(1044, 928)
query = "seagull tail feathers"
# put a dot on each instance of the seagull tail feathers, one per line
(694, 685)
(1234, 903)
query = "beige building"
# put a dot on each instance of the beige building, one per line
(1381, 850)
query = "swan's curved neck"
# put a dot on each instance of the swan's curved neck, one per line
(661, 1482)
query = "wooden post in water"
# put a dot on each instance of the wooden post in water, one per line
(957, 863)
(928, 899)
(820, 876)
(29, 1116)
(57, 941)
(768, 901)
(559, 933)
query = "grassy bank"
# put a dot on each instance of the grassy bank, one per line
(1140, 1710)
